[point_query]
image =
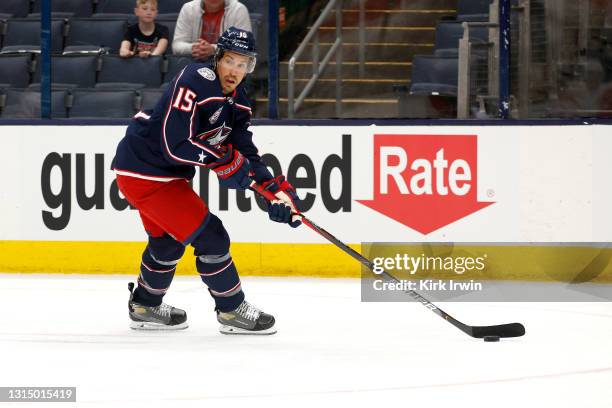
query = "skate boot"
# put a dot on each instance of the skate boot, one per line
(246, 319)
(162, 317)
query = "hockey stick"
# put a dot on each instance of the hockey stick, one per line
(501, 330)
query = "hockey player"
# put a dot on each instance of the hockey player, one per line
(201, 120)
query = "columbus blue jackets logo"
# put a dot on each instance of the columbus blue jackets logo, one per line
(215, 136)
(207, 73)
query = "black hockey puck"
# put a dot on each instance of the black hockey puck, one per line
(491, 338)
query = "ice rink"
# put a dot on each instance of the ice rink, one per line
(330, 350)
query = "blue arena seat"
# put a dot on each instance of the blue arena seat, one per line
(167, 16)
(15, 70)
(148, 97)
(170, 6)
(25, 104)
(57, 15)
(97, 103)
(78, 71)
(448, 35)
(175, 65)
(94, 36)
(147, 71)
(255, 6)
(14, 8)
(79, 8)
(171, 24)
(23, 35)
(473, 10)
(116, 6)
(432, 75)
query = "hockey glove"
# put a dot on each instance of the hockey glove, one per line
(232, 169)
(282, 210)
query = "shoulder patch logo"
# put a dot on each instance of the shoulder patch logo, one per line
(207, 73)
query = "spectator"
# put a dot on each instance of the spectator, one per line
(201, 22)
(146, 37)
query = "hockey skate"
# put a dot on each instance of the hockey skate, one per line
(162, 317)
(246, 319)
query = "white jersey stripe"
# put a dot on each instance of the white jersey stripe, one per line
(146, 177)
(143, 115)
(243, 107)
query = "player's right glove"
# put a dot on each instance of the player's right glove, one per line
(232, 169)
(283, 209)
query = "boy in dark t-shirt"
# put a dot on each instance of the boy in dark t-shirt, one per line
(145, 38)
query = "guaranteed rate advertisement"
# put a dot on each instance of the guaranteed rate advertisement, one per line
(373, 184)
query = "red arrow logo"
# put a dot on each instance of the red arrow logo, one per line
(424, 181)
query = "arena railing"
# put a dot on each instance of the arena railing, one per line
(318, 66)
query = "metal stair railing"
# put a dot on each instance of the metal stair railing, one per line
(524, 56)
(465, 56)
(317, 66)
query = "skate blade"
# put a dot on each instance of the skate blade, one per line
(236, 330)
(156, 326)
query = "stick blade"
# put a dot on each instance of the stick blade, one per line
(502, 330)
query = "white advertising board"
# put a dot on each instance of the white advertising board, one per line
(362, 183)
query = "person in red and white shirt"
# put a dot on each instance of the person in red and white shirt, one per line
(201, 22)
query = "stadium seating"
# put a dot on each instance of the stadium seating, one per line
(147, 98)
(255, 6)
(147, 71)
(25, 104)
(167, 16)
(14, 8)
(23, 35)
(432, 75)
(448, 35)
(171, 24)
(170, 6)
(55, 15)
(473, 10)
(15, 70)
(97, 103)
(175, 65)
(94, 36)
(88, 78)
(75, 71)
(78, 8)
(116, 6)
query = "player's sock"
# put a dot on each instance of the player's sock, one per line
(219, 273)
(246, 319)
(161, 317)
(154, 280)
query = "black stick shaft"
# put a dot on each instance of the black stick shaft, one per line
(503, 330)
(366, 262)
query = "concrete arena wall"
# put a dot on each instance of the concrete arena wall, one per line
(61, 211)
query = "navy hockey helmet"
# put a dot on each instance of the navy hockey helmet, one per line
(238, 41)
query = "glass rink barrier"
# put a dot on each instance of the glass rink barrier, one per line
(352, 59)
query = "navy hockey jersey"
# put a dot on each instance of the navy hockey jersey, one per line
(189, 124)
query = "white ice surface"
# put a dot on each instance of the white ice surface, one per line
(330, 349)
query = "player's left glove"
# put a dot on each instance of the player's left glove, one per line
(232, 169)
(281, 210)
